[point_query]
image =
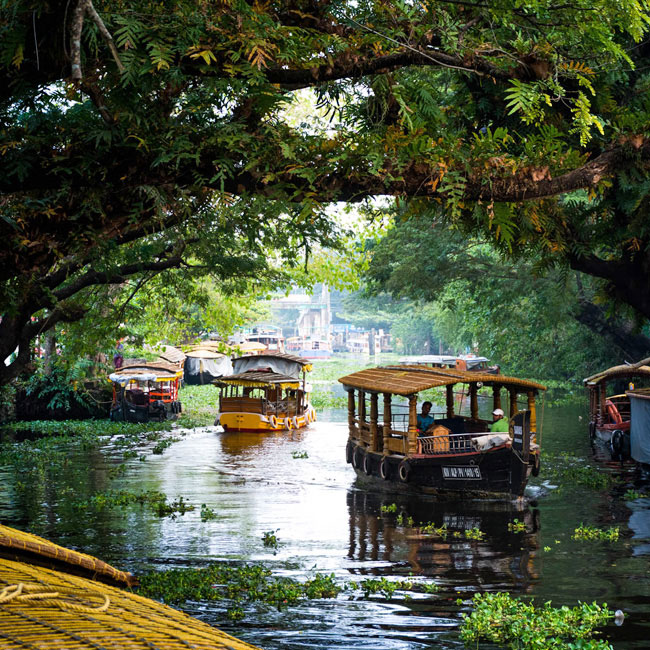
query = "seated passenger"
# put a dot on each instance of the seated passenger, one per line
(424, 419)
(500, 423)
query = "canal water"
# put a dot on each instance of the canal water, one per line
(298, 486)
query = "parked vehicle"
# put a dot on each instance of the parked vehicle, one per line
(458, 453)
(266, 392)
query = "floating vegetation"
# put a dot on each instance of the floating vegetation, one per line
(269, 539)
(633, 495)
(299, 454)
(251, 583)
(510, 622)
(207, 514)
(474, 533)
(389, 508)
(591, 533)
(517, 526)
(431, 529)
(404, 521)
(570, 470)
(155, 501)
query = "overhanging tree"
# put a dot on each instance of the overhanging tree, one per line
(132, 132)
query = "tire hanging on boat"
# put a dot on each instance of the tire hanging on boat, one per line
(349, 452)
(367, 469)
(404, 471)
(384, 468)
(288, 425)
(356, 458)
(273, 421)
(294, 422)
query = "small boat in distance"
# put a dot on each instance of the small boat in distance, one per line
(266, 392)
(457, 454)
(464, 362)
(609, 403)
(146, 391)
(308, 347)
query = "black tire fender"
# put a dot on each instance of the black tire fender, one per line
(404, 471)
(357, 458)
(384, 468)
(367, 468)
(349, 452)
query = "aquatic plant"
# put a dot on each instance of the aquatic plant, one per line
(299, 454)
(591, 533)
(474, 533)
(510, 622)
(207, 513)
(269, 539)
(389, 508)
(633, 495)
(404, 521)
(517, 526)
(432, 529)
(154, 500)
(565, 469)
(384, 586)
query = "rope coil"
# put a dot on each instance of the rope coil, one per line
(25, 593)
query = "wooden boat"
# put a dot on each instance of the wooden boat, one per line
(637, 444)
(146, 391)
(609, 405)
(54, 598)
(458, 455)
(309, 348)
(266, 392)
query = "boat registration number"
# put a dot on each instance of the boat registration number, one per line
(471, 472)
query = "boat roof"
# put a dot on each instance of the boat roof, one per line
(172, 354)
(259, 379)
(306, 363)
(639, 369)
(408, 380)
(427, 358)
(205, 353)
(148, 371)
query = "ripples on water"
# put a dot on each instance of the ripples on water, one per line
(325, 522)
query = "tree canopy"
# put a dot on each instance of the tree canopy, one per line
(138, 136)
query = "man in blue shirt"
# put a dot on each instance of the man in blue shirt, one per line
(424, 419)
(500, 423)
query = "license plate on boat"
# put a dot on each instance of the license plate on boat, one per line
(465, 472)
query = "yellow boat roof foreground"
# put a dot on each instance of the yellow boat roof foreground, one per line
(44, 608)
(408, 380)
(639, 369)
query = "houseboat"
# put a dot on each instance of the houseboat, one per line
(266, 392)
(309, 347)
(146, 391)
(465, 362)
(609, 403)
(457, 454)
(637, 446)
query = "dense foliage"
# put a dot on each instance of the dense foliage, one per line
(139, 136)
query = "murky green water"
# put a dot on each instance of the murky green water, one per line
(326, 523)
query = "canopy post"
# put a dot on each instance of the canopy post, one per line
(513, 402)
(413, 425)
(473, 401)
(450, 400)
(533, 413)
(374, 429)
(602, 397)
(351, 409)
(388, 418)
(362, 408)
(496, 397)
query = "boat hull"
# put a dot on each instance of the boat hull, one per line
(497, 472)
(258, 423)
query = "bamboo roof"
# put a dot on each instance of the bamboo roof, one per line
(17, 544)
(280, 355)
(639, 369)
(162, 370)
(52, 610)
(171, 354)
(409, 380)
(258, 379)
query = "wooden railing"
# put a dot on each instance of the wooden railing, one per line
(241, 405)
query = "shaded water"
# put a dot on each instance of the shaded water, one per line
(325, 522)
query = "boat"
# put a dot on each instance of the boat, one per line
(636, 444)
(458, 455)
(465, 362)
(54, 597)
(270, 337)
(266, 392)
(204, 363)
(609, 403)
(309, 347)
(146, 391)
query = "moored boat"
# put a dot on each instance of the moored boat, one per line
(457, 454)
(146, 391)
(609, 403)
(266, 392)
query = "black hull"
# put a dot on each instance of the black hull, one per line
(496, 473)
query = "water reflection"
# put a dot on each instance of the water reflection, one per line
(500, 560)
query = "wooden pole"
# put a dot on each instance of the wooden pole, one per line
(351, 415)
(513, 401)
(374, 432)
(496, 397)
(362, 408)
(413, 425)
(450, 401)
(533, 414)
(473, 401)
(388, 420)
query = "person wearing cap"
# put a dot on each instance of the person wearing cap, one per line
(500, 423)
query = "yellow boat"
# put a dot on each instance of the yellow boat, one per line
(267, 392)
